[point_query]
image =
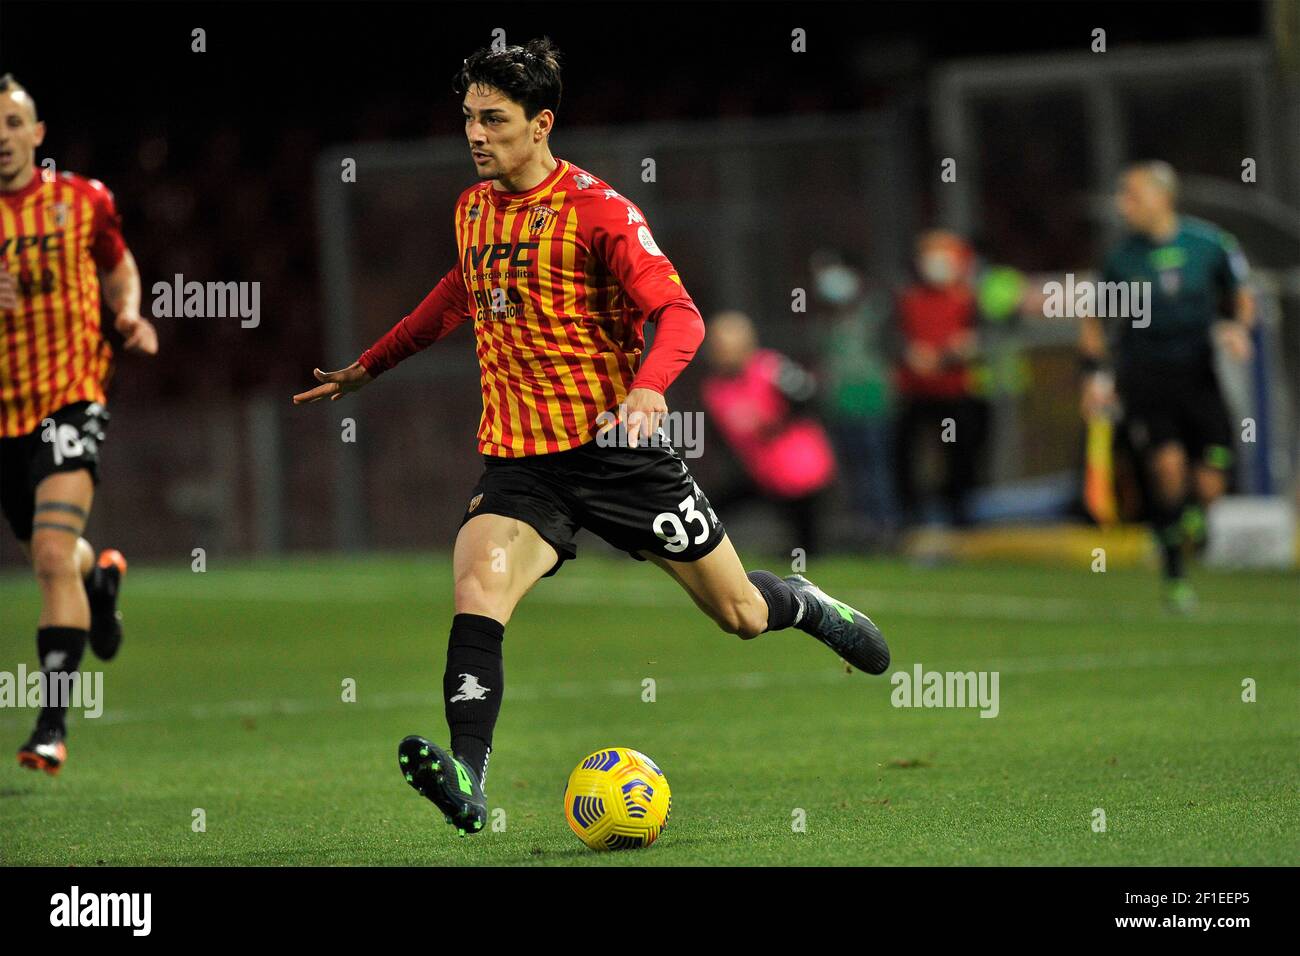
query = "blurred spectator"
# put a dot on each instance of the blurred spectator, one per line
(937, 318)
(758, 400)
(859, 395)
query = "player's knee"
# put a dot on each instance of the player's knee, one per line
(1170, 480)
(53, 557)
(1169, 475)
(1210, 484)
(1169, 462)
(478, 592)
(84, 555)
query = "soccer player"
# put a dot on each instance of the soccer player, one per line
(56, 233)
(1163, 373)
(560, 273)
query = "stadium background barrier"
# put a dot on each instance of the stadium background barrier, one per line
(739, 205)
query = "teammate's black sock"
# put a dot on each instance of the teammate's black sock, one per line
(1169, 533)
(785, 606)
(99, 580)
(102, 593)
(59, 650)
(472, 686)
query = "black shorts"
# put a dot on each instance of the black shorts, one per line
(637, 499)
(71, 442)
(1182, 405)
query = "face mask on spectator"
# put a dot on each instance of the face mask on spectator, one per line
(936, 268)
(837, 285)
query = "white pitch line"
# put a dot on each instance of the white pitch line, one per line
(1213, 656)
(944, 605)
(237, 587)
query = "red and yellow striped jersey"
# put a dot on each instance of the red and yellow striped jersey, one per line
(560, 281)
(55, 233)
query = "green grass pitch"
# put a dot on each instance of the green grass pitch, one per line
(227, 697)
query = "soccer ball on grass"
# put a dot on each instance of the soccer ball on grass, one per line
(617, 799)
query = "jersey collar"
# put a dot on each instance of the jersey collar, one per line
(505, 199)
(18, 195)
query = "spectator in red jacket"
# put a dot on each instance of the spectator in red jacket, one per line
(937, 319)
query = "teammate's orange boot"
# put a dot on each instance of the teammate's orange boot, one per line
(44, 750)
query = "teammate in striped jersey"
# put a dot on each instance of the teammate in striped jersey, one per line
(57, 232)
(559, 273)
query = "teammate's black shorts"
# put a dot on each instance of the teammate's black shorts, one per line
(69, 442)
(1177, 404)
(636, 499)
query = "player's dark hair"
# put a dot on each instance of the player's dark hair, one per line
(528, 75)
(10, 85)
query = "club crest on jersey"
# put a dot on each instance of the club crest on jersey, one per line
(540, 219)
(474, 502)
(58, 214)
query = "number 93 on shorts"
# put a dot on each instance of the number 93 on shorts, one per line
(636, 499)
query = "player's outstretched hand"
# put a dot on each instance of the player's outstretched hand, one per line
(8, 292)
(141, 337)
(335, 384)
(645, 410)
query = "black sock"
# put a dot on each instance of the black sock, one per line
(472, 686)
(59, 650)
(94, 584)
(785, 606)
(101, 592)
(1168, 527)
(96, 580)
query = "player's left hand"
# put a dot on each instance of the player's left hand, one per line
(645, 410)
(141, 337)
(1235, 340)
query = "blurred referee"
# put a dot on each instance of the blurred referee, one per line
(1163, 374)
